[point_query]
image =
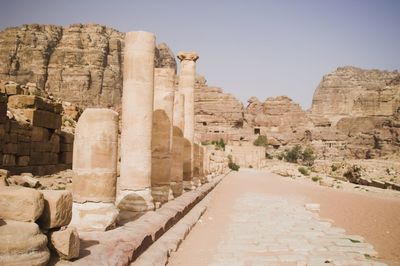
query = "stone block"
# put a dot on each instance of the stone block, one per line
(23, 160)
(66, 243)
(33, 102)
(9, 160)
(22, 243)
(25, 180)
(91, 216)
(57, 210)
(67, 137)
(13, 88)
(40, 134)
(66, 147)
(4, 174)
(42, 118)
(23, 149)
(10, 148)
(20, 204)
(66, 157)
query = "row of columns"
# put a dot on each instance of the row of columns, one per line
(158, 155)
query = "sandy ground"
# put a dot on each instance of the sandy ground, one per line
(375, 218)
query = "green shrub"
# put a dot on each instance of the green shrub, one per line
(232, 165)
(205, 143)
(219, 144)
(293, 155)
(268, 156)
(354, 174)
(261, 141)
(308, 156)
(334, 167)
(303, 171)
(316, 178)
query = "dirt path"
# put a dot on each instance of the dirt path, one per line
(258, 217)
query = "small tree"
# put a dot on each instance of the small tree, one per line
(219, 144)
(261, 141)
(293, 155)
(308, 156)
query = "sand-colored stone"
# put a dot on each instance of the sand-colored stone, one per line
(57, 210)
(93, 216)
(4, 174)
(20, 204)
(187, 76)
(137, 114)
(66, 243)
(95, 156)
(22, 243)
(177, 145)
(164, 81)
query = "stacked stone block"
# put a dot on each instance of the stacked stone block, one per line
(36, 145)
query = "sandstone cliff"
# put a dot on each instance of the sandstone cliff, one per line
(218, 114)
(80, 63)
(358, 92)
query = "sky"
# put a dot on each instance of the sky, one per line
(249, 48)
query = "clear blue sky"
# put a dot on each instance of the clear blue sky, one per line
(249, 48)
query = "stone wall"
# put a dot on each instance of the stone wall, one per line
(32, 140)
(247, 155)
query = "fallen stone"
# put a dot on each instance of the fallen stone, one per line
(93, 216)
(20, 204)
(22, 243)
(26, 181)
(66, 243)
(57, 210)
(314, 207)
(4, 174)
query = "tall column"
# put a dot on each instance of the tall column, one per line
(134, 195)
(164, 82)
(95, 158)
(177, 145)
(187, 77)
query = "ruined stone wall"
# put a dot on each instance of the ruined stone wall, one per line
(81, 63)
(247, 155)
(32, 140)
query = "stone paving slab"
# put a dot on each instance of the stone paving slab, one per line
(271, 230)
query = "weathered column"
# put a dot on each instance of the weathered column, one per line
(187, 77)
(164, 81)
(177, 145)
(134, 195)
(95, 158)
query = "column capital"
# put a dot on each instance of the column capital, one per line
(190, 56)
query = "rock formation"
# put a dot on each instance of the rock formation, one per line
(81, 63)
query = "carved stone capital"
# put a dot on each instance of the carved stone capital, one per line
(191, 56)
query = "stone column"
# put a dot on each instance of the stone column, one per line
(134, 195)
(164, 82)
(95, 156)
(177, 145)
(187, 77)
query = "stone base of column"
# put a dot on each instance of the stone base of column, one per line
(94, 216)
(133, 203)
(162, 194)
(188, 185)
(196, 181)
(177, 188)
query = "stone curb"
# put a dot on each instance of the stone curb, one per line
(159, 252)
(126, 243)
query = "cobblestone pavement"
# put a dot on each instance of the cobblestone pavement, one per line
(270, 230)
(256, 218)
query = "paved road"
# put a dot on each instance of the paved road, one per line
(257, 218)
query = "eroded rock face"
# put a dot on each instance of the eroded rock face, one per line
(81, 63)
(217, 114)
(358, 92)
